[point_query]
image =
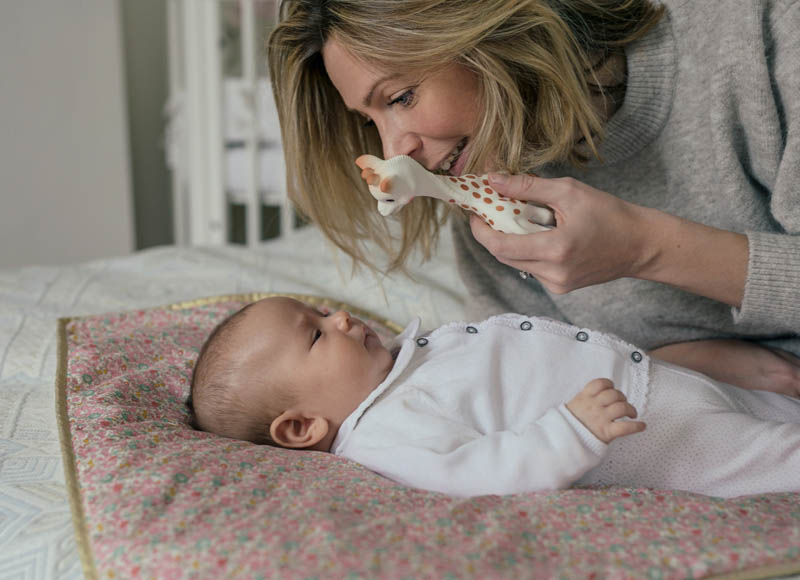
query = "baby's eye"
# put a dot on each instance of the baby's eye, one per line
(317, 335)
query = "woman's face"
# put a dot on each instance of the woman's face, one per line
(430, 119)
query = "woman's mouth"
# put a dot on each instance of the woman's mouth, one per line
(450, 161)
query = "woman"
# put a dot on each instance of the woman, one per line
(666, 138)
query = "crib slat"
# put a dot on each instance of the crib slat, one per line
(175, 145)
(204, 136)
(217, 209)
(250, 78)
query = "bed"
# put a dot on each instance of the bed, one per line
(127, 489)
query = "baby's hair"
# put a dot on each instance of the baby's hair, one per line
(214, 402)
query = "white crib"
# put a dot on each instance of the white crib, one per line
(223, 138)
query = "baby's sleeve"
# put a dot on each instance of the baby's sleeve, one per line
(550, 453)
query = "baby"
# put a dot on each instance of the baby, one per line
(507, 405)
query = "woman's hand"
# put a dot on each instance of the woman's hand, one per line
(599, 237)
(737, 362)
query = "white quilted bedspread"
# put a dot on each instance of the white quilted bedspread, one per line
(36, 534)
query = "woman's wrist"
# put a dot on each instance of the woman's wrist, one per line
(694, 257)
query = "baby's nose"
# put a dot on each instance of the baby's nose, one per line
(342, 318)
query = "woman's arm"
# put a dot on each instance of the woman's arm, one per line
(599, 237)
(737, 362)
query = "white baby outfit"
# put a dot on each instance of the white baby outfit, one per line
(474, 409)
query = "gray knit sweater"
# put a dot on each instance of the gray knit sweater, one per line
(710, 131)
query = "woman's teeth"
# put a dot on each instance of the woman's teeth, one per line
(451, 159)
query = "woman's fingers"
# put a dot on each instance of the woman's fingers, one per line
(510, 247)
(515, 186)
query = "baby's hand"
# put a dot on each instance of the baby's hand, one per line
(599, 405)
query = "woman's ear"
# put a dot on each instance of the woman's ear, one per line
(294, 430)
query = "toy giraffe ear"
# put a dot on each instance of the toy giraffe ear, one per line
(364, 161)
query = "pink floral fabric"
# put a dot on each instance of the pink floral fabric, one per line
(155, 498)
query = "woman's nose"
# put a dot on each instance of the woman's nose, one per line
(398, 141)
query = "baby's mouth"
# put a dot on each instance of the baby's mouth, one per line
(450, 161)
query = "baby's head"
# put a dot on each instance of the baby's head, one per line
(283, 373)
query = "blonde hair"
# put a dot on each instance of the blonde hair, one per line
(531, 57)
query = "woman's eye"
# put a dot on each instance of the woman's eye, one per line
(405, 99)
(317, 335)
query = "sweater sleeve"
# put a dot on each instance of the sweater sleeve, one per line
(480, 272)
(551, 453)
(772, 290)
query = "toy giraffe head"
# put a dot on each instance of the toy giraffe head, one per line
(393, 185)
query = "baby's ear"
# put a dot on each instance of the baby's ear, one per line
(296, 431)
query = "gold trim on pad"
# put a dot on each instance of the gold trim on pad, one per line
(68, 457)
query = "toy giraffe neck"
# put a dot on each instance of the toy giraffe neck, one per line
(469, 189)
(396, 181)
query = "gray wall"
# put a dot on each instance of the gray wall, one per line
(64, 172)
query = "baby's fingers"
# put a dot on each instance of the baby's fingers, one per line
(621, 409)
(623, 428)
(597, 386)
(609, 396)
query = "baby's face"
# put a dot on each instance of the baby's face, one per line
(330, 362)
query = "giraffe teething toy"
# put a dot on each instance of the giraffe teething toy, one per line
(396, 181)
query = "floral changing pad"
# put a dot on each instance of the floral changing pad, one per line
(152, 498)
